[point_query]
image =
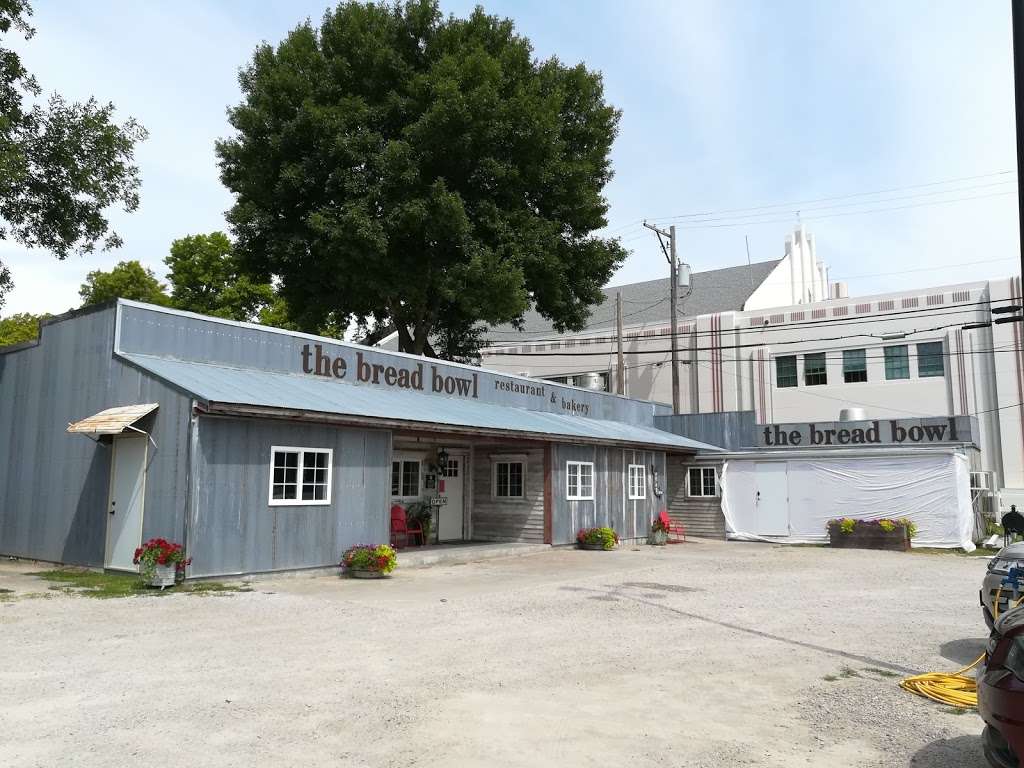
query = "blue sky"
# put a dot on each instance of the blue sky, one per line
(727, 104)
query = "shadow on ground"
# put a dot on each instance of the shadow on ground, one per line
(963, 652)
(959, 752)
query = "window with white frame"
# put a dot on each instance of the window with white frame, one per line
(508, 476)
(703, 481)
(300, 476)
(579, 480)
(405, 478)
(637, 481)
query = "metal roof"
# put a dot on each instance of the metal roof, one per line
(258, 389)
(112, 421)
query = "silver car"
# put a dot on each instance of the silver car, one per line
(998, 569)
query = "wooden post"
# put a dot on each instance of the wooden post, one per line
(620, 366)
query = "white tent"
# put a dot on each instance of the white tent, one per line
(790, 496)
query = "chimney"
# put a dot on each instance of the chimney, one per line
(839, 290)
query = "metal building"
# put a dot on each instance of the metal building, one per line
(262, 449)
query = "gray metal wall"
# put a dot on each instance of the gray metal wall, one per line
(233, 529)
(508, 519)
(701, 515)
(149, 331)
(732, 430)
(610, 506)
(54, 486)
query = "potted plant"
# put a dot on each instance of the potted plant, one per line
(891, 534)
(159, 562)
(659, 530)
(366, 561)
(597, 538)
(421, 513)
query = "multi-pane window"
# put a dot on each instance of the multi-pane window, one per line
(300, 476)
(897, 363)
(814, 369)
(930, 360)
(855, 366)
(637, 481)
(785, 371)
(703, 481)
(508, 479)
(579, 480)
(405, 478)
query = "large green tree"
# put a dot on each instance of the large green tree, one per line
(62, 164)
(205, 277)
(19, 327)
(127, 280)
(392, 166)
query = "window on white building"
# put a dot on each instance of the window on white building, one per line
(300, 476)
(637, 481)
(703, 481)
(814, 369)
(785, 371)
(930, 360)
(897, 364)
(855, 366)
(579, 480)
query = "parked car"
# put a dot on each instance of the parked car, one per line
(998, 568)
(1001, 691)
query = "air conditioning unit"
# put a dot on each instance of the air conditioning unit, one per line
(981, 481)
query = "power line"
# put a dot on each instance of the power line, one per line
(841, 320)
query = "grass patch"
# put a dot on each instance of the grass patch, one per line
(105, 585)
(830, 678)
(881, 672)
(848, 672)
(979, 552)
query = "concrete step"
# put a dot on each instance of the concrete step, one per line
(415, 557)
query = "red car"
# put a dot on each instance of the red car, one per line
(1001, 691)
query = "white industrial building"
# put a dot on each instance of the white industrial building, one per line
(777, 339)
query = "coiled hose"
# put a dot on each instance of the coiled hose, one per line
(953, 688)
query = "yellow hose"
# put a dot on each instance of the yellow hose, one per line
(952, 688)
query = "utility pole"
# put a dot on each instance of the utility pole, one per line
(620, 366)
(1017, 12)
(673, 264)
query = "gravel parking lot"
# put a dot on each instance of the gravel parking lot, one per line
(708, 654)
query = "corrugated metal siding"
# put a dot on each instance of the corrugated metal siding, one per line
(233, 529)
(701, 515)
(731, 430)
(54, 486)
(508, 520)
(610, 506)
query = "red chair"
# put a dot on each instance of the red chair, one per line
(675, 529)
(402, 529)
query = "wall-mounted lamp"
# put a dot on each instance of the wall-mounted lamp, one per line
(658, 490)
(442, 460)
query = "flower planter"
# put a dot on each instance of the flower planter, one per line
(163, 576)
(657, 539)
(869, 537)
(598, 547)
(366, 573)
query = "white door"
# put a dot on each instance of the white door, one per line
(771, 501)
(449, 526)
(124, 510)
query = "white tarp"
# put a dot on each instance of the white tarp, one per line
(932, 490)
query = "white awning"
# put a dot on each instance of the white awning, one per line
(112, 421)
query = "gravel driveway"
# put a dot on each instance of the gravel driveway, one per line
(708, 654)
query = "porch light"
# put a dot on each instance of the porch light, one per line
(442, 459)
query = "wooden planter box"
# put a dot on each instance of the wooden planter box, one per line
(869, 537)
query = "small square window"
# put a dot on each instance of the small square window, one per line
(785, 371)
(930, 361)
(703, 481)
(814, 369)
(579, 480)
(507, 479)
(405, 478)
(300, 476)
